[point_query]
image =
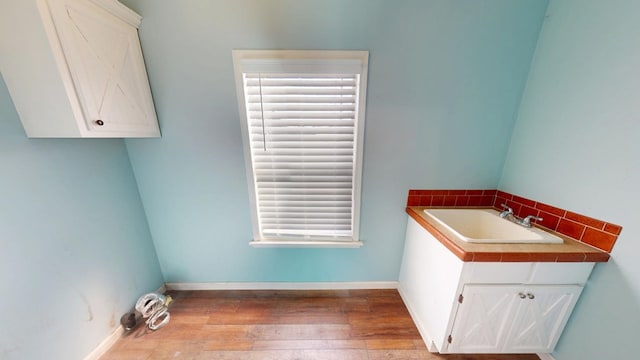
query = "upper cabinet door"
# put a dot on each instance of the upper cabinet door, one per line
(105, 63)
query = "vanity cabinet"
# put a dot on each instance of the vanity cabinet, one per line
(80, 71)
(486, 307)
(511, 318)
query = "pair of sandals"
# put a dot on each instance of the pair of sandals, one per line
(153, 307)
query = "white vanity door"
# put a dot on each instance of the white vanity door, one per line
(483, 318)
(103, 56)
(541, 317)
(511, 318)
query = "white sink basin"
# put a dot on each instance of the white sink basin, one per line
(485, 226)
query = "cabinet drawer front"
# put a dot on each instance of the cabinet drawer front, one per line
(526, 273)
(560, 273)
(496, 273)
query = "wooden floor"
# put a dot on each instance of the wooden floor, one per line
(285, 325)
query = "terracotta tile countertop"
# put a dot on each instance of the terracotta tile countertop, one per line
(569, 251)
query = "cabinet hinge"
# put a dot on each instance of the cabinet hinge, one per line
(449, 339)
(460, 299)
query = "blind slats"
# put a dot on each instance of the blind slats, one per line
(266, 81)
(295, 152)
(306, 233)
(304, 143)
(328, 98)
(317, 114)
(342, 174)
(282, 146)
(274, 211)
(305, 197)
(295, 220)
(302, 138)
(297, 178)
(306, 185)
(276, 110)
(295, 199)
(329, 228)
(299, 92)
(305, 166)
(306, 130)
(304, 191)
(272, 124)
(311, 136)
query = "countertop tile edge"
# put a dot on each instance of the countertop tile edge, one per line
(479, 256)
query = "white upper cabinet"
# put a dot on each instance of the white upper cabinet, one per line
(94, 50)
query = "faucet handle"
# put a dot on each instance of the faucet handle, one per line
(527, 220)
(508, 211)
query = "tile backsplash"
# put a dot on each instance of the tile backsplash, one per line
(597, 233)
(451, 197)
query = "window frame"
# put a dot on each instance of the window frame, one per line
(250, 59)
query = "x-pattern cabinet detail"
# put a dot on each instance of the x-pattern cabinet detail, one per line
(486, 307)
(78, 69)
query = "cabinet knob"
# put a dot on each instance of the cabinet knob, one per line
(99, 122)
(522, 295)
(531, 296)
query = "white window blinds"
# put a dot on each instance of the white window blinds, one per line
(303, 129)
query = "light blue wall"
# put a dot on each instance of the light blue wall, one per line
(575, 145)
(75, 248)
(445, 80)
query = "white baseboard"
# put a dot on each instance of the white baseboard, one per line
(162, 289)
(282, 285)
(546, 357)
(106, 344)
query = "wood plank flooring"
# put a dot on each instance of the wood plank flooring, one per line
(285, 325)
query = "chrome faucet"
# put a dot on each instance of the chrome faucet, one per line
(526, 222)
(508, 211)
(509, 215)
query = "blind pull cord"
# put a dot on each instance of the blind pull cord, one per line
(264, 136)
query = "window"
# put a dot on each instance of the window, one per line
(302, 115)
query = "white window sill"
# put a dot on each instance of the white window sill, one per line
(305, 244)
